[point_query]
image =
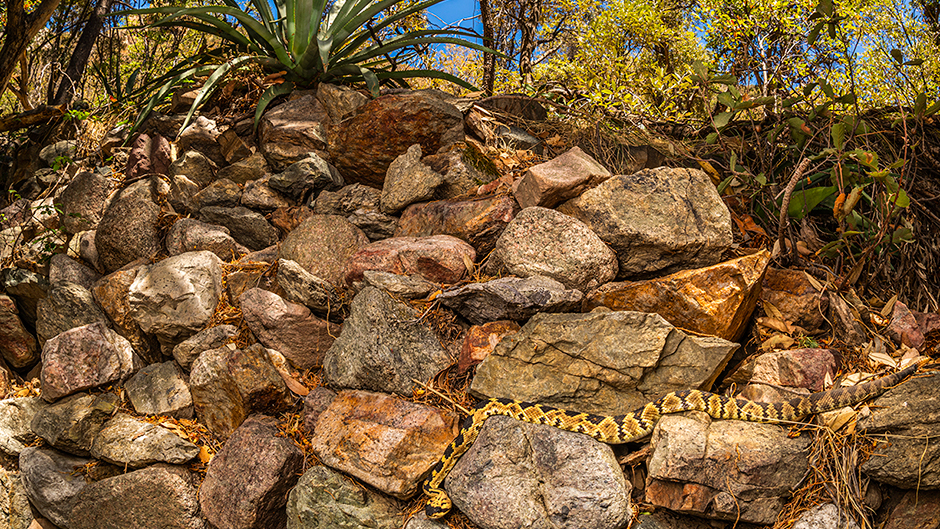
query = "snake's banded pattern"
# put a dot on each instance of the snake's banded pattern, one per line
(638, 424)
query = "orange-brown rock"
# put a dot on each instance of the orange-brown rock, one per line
(716, 300)
(796, 298)
(384, 441)
(478, 220)
(481, 340)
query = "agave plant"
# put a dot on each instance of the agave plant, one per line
(311, 41)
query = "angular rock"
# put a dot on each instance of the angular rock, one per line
(383, 347)
(256, 466)
(127, 442)
(663, 519)
(716, 300)
(322, 245)
(72, 424)
(235, 148)
(916, 510)
(518, 105)
(64, 148)
(387, 442)
(825, 516)
(191, 235)
(248, 227)
(340, 102)
(187, 351)
(325, 499)
(260, 196)
(111, 294)
(375, 224)
(129, 228)
(315, 403)
(66, 307)
(202, 135)
(544, 242)
(910, 413)
(221, 192)
(903, 327)
(408, 181)
(439, 258)
(17, 345)
(531, 475)
(289, 328)
(159, 389)
(216, 397)
(408, 287)
(288, 132)
(83, 201)
(478, 220)
(347, 200)
(15, 416)
(362, 147)
(510, 298)
(481, 340)
(261, 386)
(602, 362)
(287, 218)
(306, 177)
(162, 496)
(196, 167)
(26, 288)
(63, 268)
(83, 358)
(796, 299)
(148, 155)
(728, 470)
(51, 482)
(795, 368)
(657, 220)
(15, 512)
(244, 171)
(559, 179)
(176, 297)
(307, 289)
(845, 321)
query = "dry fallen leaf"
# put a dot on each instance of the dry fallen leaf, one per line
(838, 421)
(775, 324)
(205, 455)
(777, 341)
(889, 306)
(883, 359)
(812, 281)
(772, 311)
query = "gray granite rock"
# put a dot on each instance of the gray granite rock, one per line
(189, 235)
(51, 482)
(325, 499)
(510, 298)
(248, 227)
(159, 389)
(302, 287)
(306, 177)
(408, 181)
(67, 306)
(72, 423)
(129, 227)
(15, 416)
(187, 351)
(216, 397)
(128, 442)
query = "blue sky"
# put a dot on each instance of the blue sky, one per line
(451, 11)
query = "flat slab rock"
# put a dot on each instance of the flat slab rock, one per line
(728, 470)
(385, 441)
(601, 362)
(510, 298)
(248, 481)
(83, 358)
(126, 441)
(536, 476)
(51, 482)
(438, 258)
(326, 499)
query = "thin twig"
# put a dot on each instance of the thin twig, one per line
(782, 226)
(441, 395)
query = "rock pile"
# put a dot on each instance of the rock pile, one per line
(373, 244)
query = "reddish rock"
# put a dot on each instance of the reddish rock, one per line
(438, 258)
(478, 220)
(85, 357)
(562, 178)
(796, 298)
(322, 245)
(716, 300)
(248, 481)
(289, 328)
(363, 146)
(927, 321)
(289, 131)
(916, 510)
(216, 396)
(148, 155)
(288, 218)
(796, 368)
(262, 388)
(385, 441)
(17, 346)
(481, 340)
(903, 327)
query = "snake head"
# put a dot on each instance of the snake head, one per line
(438, 505)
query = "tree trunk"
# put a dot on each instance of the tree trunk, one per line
(529, 20)
(79, 60)
(19, 32)
(489, 60)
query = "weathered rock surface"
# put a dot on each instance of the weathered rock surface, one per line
(307, 289)
(562, 178)
(176, 297)
(325, 499)
(111, 294)
(478, 220)
(83, 358)
(15, 416)
(910, 413)
(408, 287)
(157, 496)
(544, 242)
(916, 510)
(439, 258)
(717, 300)
(603, 362)
(794, 368)
(289, 328)
(825, 516)
(15, 512)
(408, 181)
(657, 220)
(187, 351)
(127, 442)
(18, 347)
(259, 383)
(383, 347)
(903, 327)
(363, 146)
(796, 299)
(67, 306)
(510, 298)
(527, 475)
(216, 398)
(729, 470)
(129, 227)
(159, 389)
(72, 423)
(289, 131)
(51, 482)
(189, 235)
(322, 245)
(247, 482)
(83, 201)
(386, 442)
(248, 227)
(481, 340)
(306, 177)
(195, 166)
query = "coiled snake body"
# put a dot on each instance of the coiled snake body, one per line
(638, 424)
